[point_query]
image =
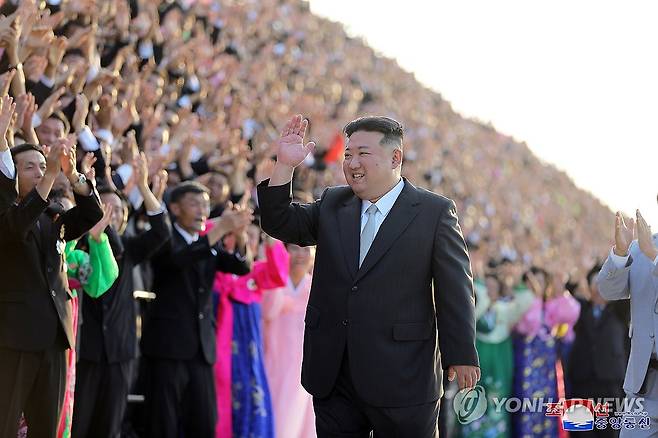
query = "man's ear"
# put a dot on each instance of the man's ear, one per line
(175, 208)
(398, 155)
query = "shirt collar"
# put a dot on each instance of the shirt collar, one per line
(385, 203)
(189, 238)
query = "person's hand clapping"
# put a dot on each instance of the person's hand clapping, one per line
(7, 108)
(623, 235)
(645, 237)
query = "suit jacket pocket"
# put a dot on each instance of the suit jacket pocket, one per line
(312, 318)
(412, 331)
(12, 297)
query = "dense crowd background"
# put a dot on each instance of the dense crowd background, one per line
(203, 87)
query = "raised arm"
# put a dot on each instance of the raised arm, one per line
(613, 279)
(292, 223)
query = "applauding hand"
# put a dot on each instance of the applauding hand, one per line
(645, 238)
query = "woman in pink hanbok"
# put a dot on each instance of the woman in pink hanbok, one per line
(283, 313)
(243, 402)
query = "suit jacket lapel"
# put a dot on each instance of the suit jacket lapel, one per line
(403, 212)
(349, 226)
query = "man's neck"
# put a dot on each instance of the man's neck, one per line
(387, 190)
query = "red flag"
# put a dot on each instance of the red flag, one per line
(336, 149)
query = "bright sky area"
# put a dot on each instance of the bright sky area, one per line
(576, 80)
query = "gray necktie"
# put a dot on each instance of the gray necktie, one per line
(368, 233)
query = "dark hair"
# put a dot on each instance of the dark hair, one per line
(391, 128)
(107, 190)
(184, 188)
(593, 272)
(58, 115)
(24, 148)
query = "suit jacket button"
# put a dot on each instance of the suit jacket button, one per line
(52, 292)
(202, 290)
(50, 269)
(200, 315)
(355, 288)
(104, 327)
(346, 321)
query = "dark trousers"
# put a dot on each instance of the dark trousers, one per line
(101, 393)
(33, 384)
(344, 415)
(180, 398)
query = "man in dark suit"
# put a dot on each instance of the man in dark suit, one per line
(178, 338)
(597, 363)
(108, 336)
(391, 272)
(35, 319)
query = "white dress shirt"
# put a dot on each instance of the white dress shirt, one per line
(384, 205)
(7, 164)
(189, 238)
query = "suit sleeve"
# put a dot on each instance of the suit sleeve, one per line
(146, 244)
(453, 293)
(16, 220)
(86, 213)
(285, 220)
(613, 282)
(233, 263)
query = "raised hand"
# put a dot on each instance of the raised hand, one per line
(86, 166)
(290, 148)
(56, 155)
(140, 170)
(623, 235)
(81, 112)
(160, 184)
(51, 103)
(69, 159)
(645, 237)
(7, 108)
(102, 224)
(5, 81)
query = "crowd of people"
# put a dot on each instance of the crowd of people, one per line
(174, 107)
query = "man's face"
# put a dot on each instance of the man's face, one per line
(192, 211)
(370, 168)
(50, 130)
(119, 213)
(30, 168)
(219, 189)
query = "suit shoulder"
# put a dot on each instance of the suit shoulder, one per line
(435, 199)
(337, 194)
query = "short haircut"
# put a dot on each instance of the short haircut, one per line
(107, 190)
(392, 129)
(24, 148)
(184, 188)
(58, 115)
(593, 273)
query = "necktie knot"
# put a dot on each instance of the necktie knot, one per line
(372, 210)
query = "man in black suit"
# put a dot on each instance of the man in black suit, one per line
(597, 363)
(178, 338)
(108, 336)
(391, 272)
(35, 319)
